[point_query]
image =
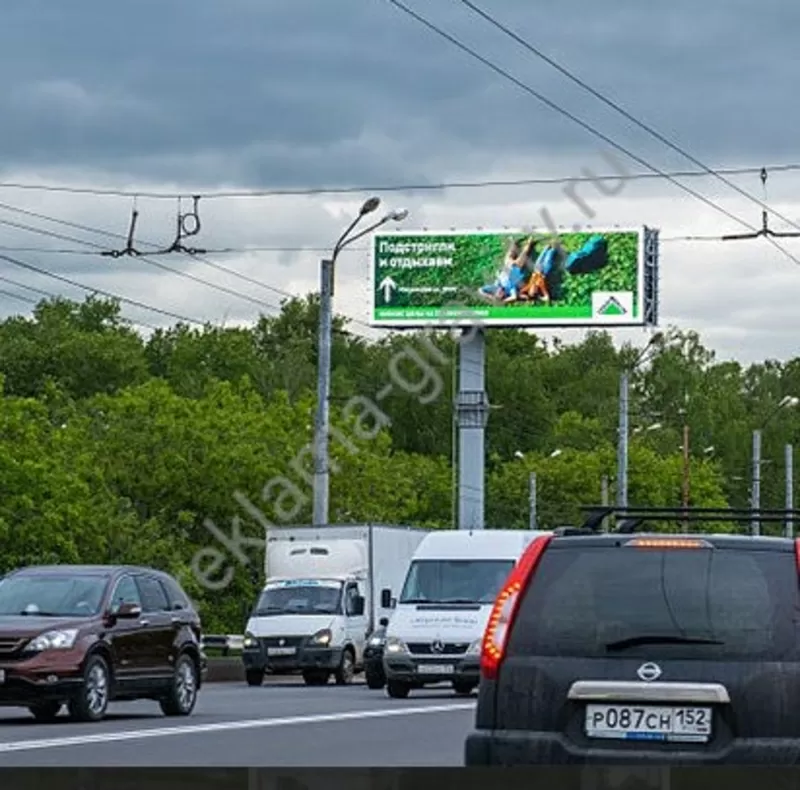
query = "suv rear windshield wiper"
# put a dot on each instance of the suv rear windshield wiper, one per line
(656, 639)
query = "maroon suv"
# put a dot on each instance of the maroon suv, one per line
(87, 635)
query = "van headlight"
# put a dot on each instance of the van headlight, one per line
(54, 640)
(395, 645)
(250, 640)
(475, 647)
(376, 641)
(322, 638)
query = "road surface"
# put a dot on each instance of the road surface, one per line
(283, 725)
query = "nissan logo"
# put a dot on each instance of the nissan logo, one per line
(437, 646)
(649, 672)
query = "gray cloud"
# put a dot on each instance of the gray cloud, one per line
(293, 93)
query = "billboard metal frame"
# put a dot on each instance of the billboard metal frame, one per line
(647, 284)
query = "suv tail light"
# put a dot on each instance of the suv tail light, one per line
(797, 553)
(505, 607)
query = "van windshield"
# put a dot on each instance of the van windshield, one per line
(455, 581)
(299, 598)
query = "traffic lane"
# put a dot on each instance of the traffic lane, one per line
(215, 703)
(429, 732)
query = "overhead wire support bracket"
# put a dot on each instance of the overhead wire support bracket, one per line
(129, 248)
(765, 230)
(187, 225)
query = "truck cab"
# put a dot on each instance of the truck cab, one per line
(434, 634)
(311, 613)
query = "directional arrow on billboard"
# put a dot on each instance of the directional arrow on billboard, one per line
(387, 285)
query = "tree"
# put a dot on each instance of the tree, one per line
(83, 348)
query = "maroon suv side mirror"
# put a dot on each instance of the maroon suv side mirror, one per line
(128, 611)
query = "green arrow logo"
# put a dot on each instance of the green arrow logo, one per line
(612, 307)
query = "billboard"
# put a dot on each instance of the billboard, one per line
(594, 278)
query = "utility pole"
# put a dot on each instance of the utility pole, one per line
(322, 419)
(755, 523)
(789, 455)
(532, 499)
(686, 469)
(622, 445)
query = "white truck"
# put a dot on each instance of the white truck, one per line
(321, 599)
(434, 634)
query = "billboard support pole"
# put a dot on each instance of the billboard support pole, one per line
(472, 410)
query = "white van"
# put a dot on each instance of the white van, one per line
(437, 623)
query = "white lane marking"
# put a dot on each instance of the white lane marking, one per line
(225, 726)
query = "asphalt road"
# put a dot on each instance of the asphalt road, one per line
(284, 725)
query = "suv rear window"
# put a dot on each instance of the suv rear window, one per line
(586, 601)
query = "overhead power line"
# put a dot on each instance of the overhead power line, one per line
(97, 249)
(143, 258)
(579, 121)
(10, 295)
(218, 251)
(388, 188)
(91, 289)
(621, 110)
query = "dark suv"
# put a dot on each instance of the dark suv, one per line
(637, 647)
(86, 635)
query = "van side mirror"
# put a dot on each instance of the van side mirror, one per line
(358, 606)
(383, 622)
(386, 598)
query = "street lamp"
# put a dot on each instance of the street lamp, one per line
(322, 419)
(787, 402)
(623, 432)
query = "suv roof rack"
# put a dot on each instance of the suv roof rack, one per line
(633, 517)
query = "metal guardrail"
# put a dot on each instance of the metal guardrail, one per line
(224, 642)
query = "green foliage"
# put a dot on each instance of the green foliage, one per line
(115, 449)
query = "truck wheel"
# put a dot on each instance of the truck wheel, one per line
(397, 689)
(375, 679)
(313, 677)
(254, 677)
(344, 675)
(462, 688)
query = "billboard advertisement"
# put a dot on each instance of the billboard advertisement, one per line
(506, 278)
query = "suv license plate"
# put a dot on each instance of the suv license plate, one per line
(436, 669)
(644, 722)
(281, 651)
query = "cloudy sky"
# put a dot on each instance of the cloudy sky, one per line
(172, 96)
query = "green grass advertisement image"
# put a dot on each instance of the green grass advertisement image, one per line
(508, 278)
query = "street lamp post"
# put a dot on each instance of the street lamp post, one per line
(789, 402)
(322, 419)
(789, 460)
(623, 426)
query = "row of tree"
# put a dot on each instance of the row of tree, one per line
(114, 448)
